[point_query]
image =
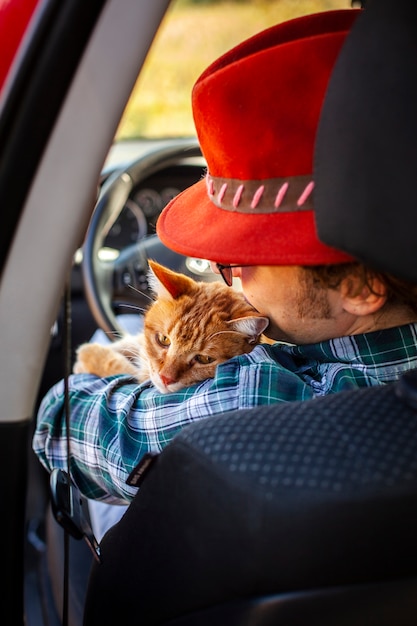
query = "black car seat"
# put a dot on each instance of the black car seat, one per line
(366, 149)
(288, 514)
(299, 514)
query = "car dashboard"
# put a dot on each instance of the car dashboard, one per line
(146, 201)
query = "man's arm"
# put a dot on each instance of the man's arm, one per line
(114, 422)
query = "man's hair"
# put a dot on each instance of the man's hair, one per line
(399, 291)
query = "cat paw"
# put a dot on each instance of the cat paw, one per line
(86, 359)
(103, 361)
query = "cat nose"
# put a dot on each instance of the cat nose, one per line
(167, 380)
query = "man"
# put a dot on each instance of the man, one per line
(256, 112)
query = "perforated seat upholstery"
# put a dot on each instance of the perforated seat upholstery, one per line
(309, 496)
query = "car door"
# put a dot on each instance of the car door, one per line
(69, 69)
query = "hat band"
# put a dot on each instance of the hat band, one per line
(272, 195)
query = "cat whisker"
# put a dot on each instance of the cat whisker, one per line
(134, 307)
(225, 332)
(110, 333)
(142, 293)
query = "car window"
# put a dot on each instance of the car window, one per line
(192, 35)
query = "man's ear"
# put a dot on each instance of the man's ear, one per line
(361, 298)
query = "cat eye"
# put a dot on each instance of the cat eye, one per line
(204, 359)
(226, 272)
(163, 340)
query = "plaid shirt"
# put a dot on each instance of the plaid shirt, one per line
(115, 421)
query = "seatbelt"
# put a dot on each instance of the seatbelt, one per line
(68, 505)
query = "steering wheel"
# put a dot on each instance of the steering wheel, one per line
(123, 280)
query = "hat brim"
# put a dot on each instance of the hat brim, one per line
(193, 226)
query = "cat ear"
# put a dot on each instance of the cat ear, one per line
(252, 326)
(168, 284)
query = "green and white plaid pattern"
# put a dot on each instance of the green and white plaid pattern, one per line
(115, 421)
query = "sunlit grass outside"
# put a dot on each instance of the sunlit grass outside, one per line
(191, 36)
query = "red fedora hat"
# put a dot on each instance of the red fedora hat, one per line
(256, 112)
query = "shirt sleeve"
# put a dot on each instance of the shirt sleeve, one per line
(114, 421)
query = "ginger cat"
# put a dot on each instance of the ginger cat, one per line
(189, 329)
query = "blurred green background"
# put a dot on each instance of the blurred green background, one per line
(193, 34)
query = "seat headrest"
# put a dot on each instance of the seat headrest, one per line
(366, 149)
